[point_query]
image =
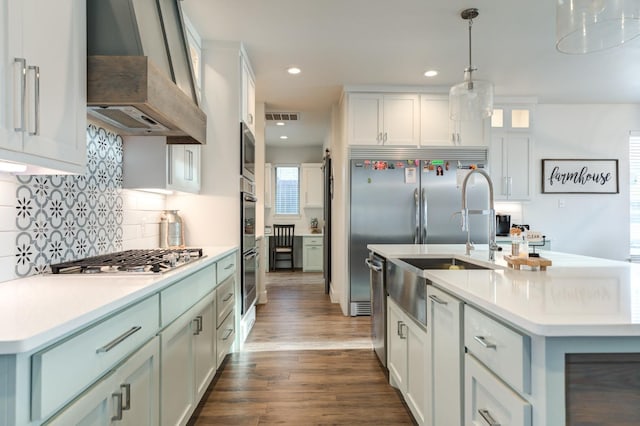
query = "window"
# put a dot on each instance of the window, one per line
(287, 190)
(634, 195)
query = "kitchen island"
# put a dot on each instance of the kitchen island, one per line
(76, 348)
(551, 347)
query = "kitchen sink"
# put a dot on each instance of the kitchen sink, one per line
(441, 263)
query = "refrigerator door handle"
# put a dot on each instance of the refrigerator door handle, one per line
(416, 199)
(424, 218)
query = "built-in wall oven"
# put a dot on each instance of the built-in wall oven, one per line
(250, 255)
(247, 153)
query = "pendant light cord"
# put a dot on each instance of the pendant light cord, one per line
(470, 70)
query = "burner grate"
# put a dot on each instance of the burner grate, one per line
(135, 261)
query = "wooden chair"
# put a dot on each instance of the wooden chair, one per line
(281, 244)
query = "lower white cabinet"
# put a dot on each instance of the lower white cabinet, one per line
(312, 254)
(406, 359)
(129, 395)
(188, 361)
(445, 352)
(488, 401)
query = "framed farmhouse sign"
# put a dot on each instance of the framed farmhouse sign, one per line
(579, 176)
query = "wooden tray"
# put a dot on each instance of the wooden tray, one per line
(515, 262)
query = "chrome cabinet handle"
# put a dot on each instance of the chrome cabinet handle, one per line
(509, 185)
(118, 415)
(379, 138)
(372, 266)
(198, 321)
(438, 300)
(399, 328)
(228, 296)
(228, 333)
(384, 140)
(402, 335)
(115, 342)
(36, 100)
(488, 417)
(250, 118)
(483, 341)
(226, 268)
(505, 185)
(188, 171)
(170, 164)
(23, 90)
(126, 390)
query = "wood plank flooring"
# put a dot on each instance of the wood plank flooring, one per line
(304, 363)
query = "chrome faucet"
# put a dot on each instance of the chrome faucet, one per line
(493, 247)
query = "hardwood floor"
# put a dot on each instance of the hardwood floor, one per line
(304, 363)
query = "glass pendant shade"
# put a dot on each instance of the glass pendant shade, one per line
(471, 100)
(585, 26)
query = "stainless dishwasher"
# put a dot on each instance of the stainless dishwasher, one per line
(376, 266)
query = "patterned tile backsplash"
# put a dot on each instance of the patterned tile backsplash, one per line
(62, 218)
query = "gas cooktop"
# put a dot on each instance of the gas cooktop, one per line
(150, 261)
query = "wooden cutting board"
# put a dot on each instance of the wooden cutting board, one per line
(537, 262)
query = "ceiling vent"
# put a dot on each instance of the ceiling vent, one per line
(282, 116)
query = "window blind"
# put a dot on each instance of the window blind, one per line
(634, 195)
(287, 190)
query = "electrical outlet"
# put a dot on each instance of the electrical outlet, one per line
(561, 203)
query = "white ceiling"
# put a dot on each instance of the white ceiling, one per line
(384, 42)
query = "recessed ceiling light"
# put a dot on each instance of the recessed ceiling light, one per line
(431, 73)
(284, 137)
(280, 123)
(294, 70)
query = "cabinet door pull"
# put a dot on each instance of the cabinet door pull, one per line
(227, 297)
(438, 300)
(402, 335)
(115, 342)
(380, 137)
(372, 266)
(126, 390)
(198, 321)
(483, 341)
(23, 90)
(399, 328)
(505, 185)
(488, 417)
(118, 415)
(509, 185)
(227, 334)
(229, 266)
(36, 99)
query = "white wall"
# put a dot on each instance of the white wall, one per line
(594, 225)
(213, 216)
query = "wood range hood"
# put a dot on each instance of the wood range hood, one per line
(131, 95)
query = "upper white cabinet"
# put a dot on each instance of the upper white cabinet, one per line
(43, 85)
(511, 151)
(384, 119)
(434, 120)
(248, 101)
(311, 187)
(470, 133)
(171, 167)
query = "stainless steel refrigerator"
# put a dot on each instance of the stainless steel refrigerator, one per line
(417, 201)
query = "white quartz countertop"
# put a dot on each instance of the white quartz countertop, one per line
(576, 296)
(42, 308)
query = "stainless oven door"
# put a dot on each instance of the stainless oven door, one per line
(248, 221)
(248, 153)
(249, 279)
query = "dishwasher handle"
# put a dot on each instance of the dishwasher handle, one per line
(373, 266)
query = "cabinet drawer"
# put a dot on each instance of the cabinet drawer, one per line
(179, 297)
(225, 299)
(225, 267)
(312, 241)
(489, 401)
(63, 370)
(224, 338)
(504, 351)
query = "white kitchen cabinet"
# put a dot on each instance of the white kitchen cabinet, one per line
(488, 401)
(43, 85)
(186, 370)
(470, 133)
(406, 359)
(268, 185)
(312, 254)
(383, 119)
(311, 186)
(510, 165)
(226, 301)
(127, 396)
(171, 167)
(248, 95)
(445, 351)
(434, 120)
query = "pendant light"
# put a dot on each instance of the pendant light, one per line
(586, 26)
(472, 99)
